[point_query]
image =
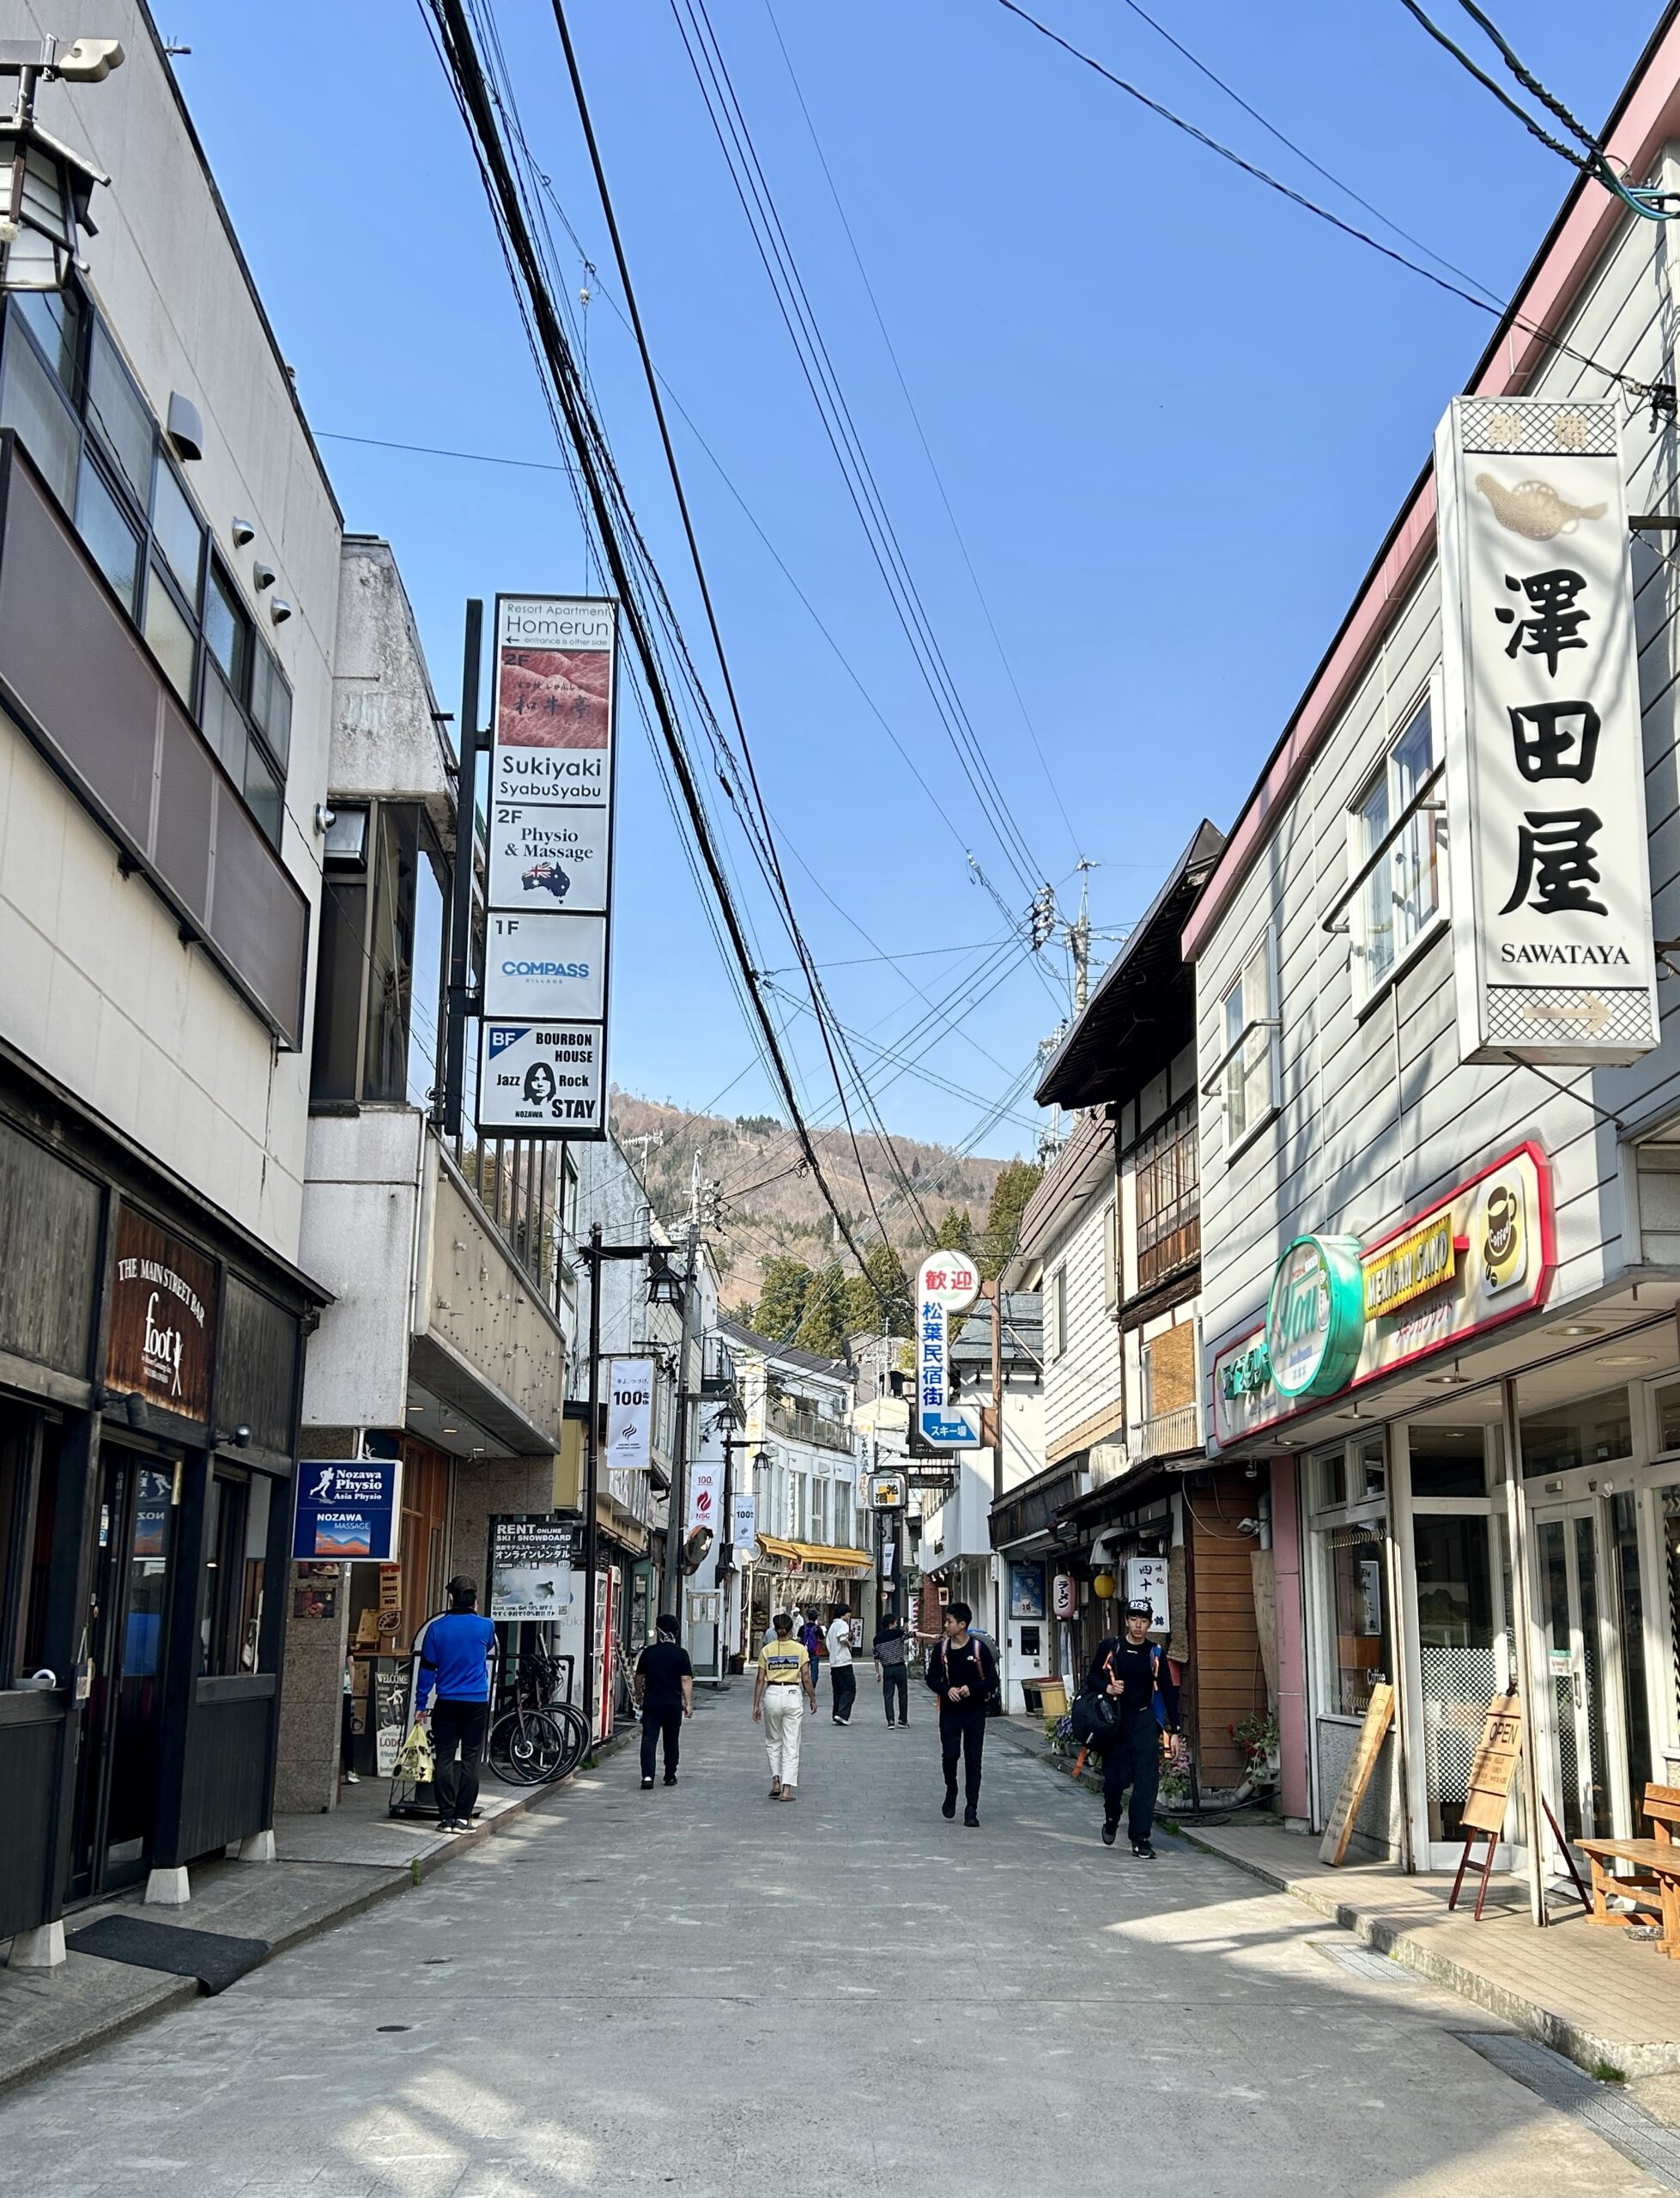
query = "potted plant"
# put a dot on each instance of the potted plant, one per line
(1257, 1736)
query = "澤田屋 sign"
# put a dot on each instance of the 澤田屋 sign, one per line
(1339, 1315)
(1552, 951)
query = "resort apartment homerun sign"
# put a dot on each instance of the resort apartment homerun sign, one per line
(1339, 1315)
(543, 1039)
(1545, 773)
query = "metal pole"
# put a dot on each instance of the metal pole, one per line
(1519, 1632)
(592, 1468)
(670, 1597)
(466, 833)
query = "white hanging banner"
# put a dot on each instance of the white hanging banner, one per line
(947, 1284)
(1545, 775)
(629, 1415)
(705, 1485)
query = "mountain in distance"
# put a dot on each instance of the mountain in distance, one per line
(770, 1208)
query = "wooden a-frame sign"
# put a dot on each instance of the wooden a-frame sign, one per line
(1378, 1716)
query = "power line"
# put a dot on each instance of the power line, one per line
(1311, 206)
(769, 236)
(562, 380)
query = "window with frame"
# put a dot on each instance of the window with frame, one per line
(28, 1503)
(236, 1529)
(65, 390)
(1249, 1014)
(1401, 897)
(1169, 1186)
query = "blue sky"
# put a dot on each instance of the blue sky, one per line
(1173, 415)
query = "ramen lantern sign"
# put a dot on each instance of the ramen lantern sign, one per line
(542, 1055)
(1065, 1595)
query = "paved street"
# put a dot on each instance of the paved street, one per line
(855, 1997)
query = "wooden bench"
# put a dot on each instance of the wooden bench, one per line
(1651, 1879)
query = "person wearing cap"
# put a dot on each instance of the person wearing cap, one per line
(1131, 1669)
(455, 1652)
(780, 1691)
(664, 1695)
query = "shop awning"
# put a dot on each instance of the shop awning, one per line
(815, 1556)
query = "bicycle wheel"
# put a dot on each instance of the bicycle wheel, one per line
(527, 1746)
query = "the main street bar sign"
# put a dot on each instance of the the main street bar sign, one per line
(1552, 953)
(542, 1043)
(1340, 1314)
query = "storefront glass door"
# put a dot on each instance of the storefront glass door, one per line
(117, 1761)
(1574, 1757)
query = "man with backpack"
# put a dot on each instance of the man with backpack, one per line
(1131, 1673)
(963, 1672)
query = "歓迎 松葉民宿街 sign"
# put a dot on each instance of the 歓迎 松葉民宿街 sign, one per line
(1553, 958)
(947, 1284)
(549, 868)
(347, 1509)
(541, 1077)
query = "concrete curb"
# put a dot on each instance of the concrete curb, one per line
(1528, 2016)
(174, 1992)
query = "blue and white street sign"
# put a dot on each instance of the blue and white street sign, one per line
(946, 1287)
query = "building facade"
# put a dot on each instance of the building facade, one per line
(1475, 1485)
(169, 600)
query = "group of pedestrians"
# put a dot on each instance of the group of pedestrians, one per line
(1129, 1675)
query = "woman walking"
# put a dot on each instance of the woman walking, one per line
(780, 1691)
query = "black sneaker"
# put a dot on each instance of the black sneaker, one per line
(971, 1818)
(1110, 1826)
(1142, 1847)
(670, 1778)
(948, 1807)
(647, 1785)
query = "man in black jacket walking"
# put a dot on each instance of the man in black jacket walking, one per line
(963, 1674)
(1133, 1672)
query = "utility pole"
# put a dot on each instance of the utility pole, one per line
(671, 1596)
(591, 1472)
(1079, 938)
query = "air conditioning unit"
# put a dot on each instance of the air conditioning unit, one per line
(1108, 1461)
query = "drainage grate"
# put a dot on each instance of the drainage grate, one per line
(1637, 2135)
(1360, 1961)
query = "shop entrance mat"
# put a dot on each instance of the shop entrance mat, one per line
(214, 1958)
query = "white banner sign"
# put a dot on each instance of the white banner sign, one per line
(706, 1488)
(540, 1076)
(630, 1415)
(1146, 1583)
(947, 1284)
(744, 1524)
(549, 850)
(1545, 773)
(544, 965)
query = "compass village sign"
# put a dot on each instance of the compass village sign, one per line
(1341, 1314)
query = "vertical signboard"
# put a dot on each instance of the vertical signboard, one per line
(629, 1446)
(947, 1284)
(541, 1065)
(1545, 776)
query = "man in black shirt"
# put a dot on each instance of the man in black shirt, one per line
(1133, 1672)
(665, 1696)
(962, 1673)
(890, 1668)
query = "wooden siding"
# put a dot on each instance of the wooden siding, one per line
(49, 1226)
(1225, 1681)
(1377, 1113)
(257, 1367)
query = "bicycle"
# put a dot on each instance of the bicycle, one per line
(538, 1740)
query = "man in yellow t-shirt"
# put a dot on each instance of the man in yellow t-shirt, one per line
(780, 1692)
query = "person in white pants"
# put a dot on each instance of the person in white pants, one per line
(783, 1687)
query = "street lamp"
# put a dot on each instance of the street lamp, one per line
(46, 188)
(664, 1285)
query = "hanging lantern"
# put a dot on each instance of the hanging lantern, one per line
(44, 187)
(1065, 1595)
(1103, 1587)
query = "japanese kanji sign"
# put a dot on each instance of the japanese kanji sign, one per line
(947, 1284)
(1545, 785)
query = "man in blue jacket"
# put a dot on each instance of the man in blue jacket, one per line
(455, 1653)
